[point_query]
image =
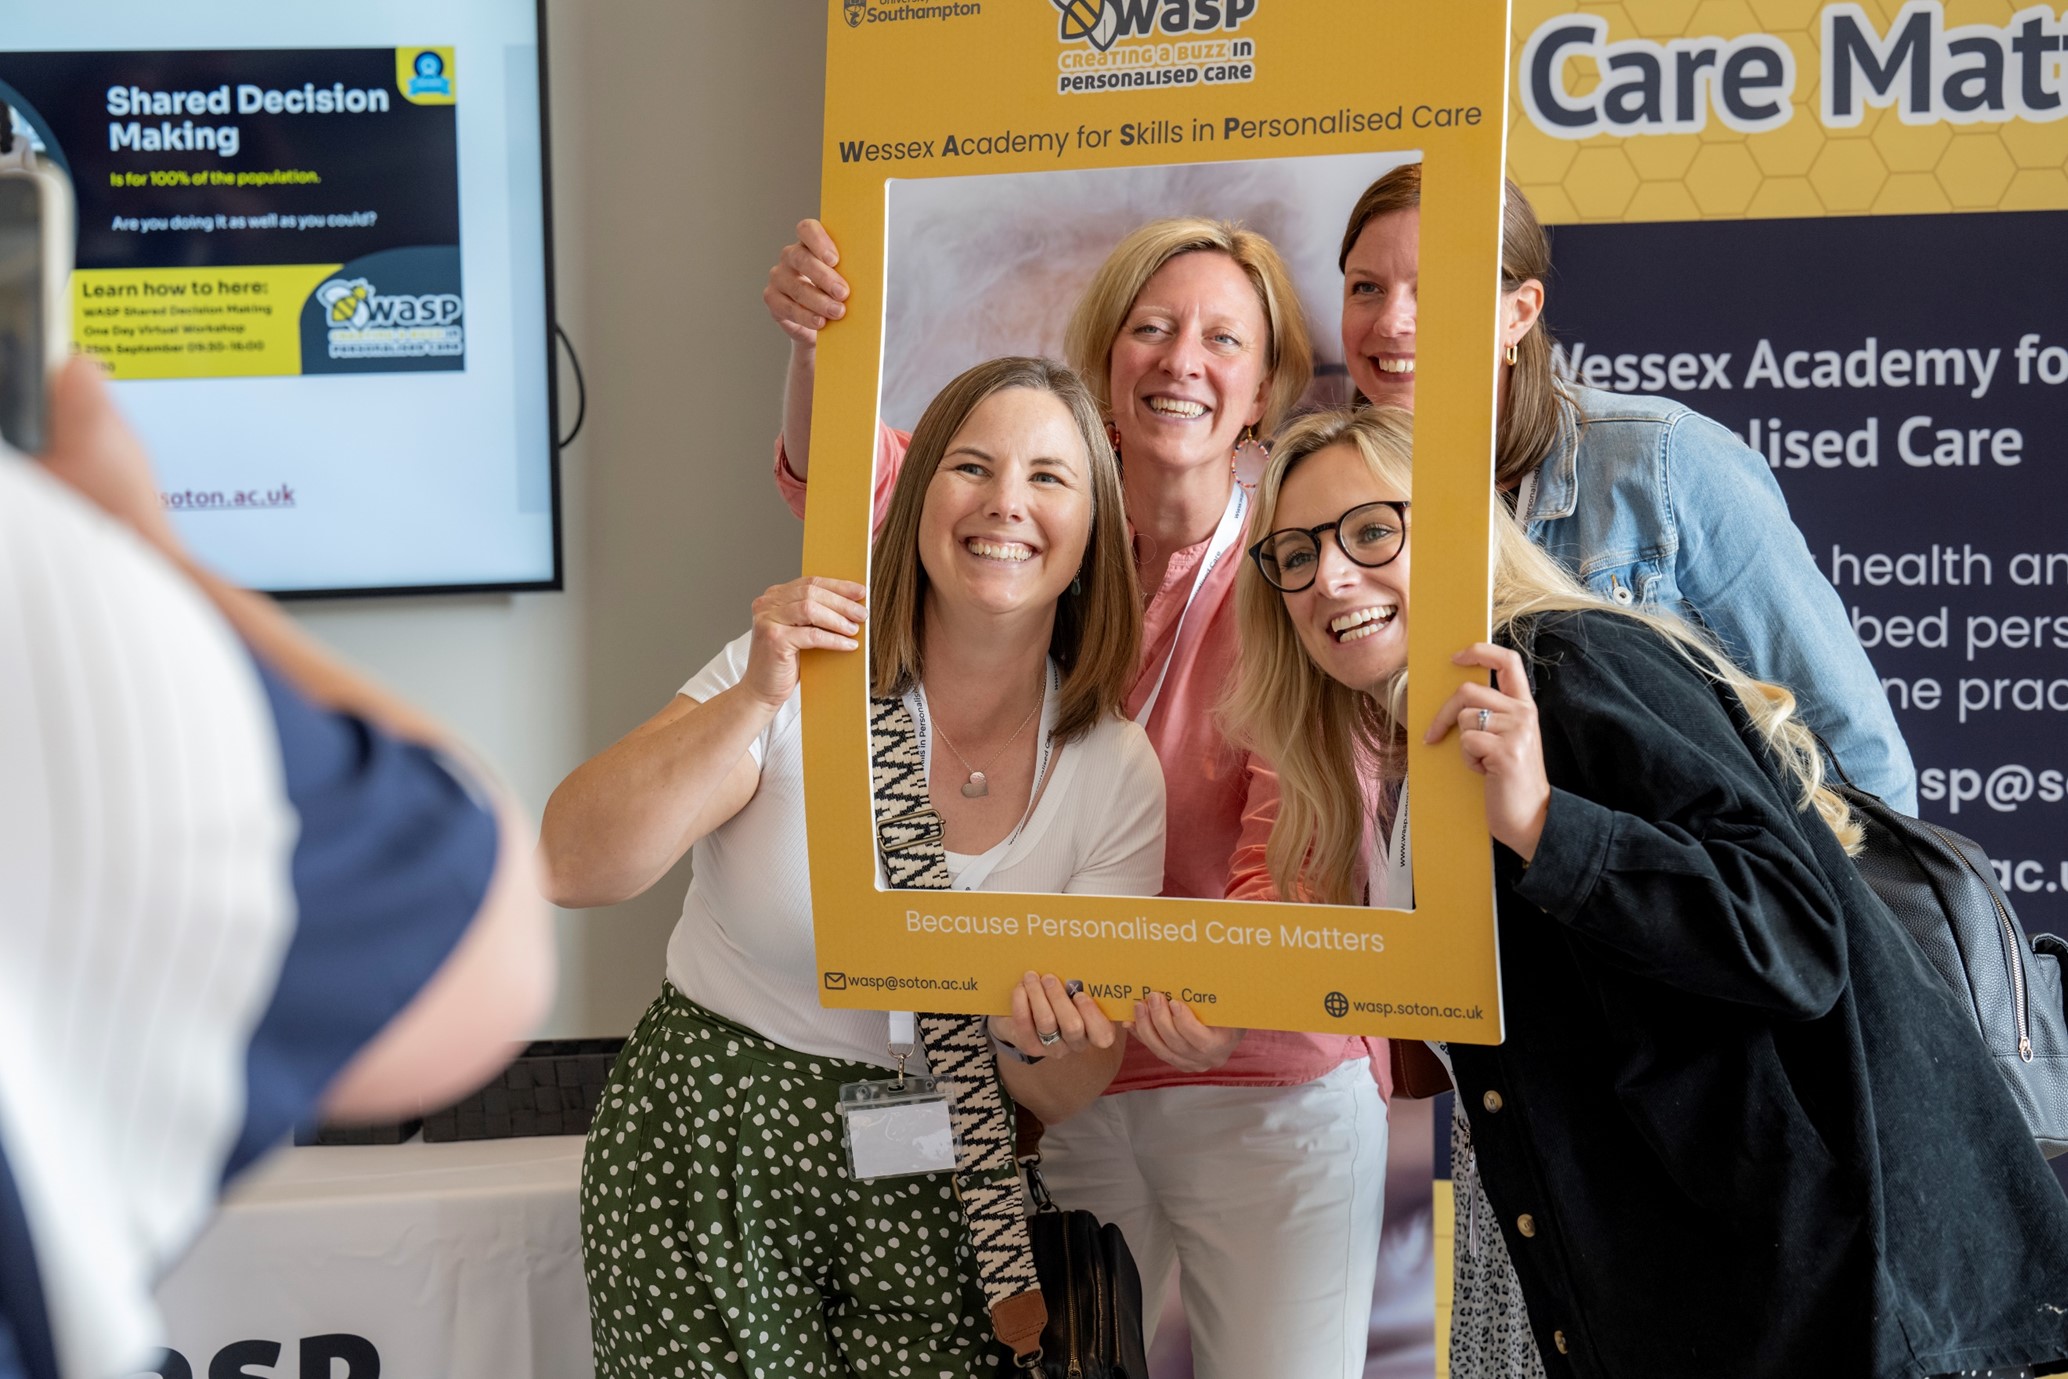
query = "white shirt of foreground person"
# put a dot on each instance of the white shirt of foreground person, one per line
(145, 901)
(743, 948)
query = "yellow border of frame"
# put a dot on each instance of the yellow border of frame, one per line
(899, 71)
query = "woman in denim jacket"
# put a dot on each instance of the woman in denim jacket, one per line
(1646, 500)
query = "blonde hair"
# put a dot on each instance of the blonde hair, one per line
(1529, 422)
(1325, 739)
(1098, 628)
(1110, 295)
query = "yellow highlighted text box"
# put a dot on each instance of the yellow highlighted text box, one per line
(194, 322)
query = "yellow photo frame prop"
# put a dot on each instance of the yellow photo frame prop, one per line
(922, 91)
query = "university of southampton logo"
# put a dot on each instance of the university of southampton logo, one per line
(855, 11)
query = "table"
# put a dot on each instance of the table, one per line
(410, 1261)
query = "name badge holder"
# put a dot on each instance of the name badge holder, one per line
(897, 1127)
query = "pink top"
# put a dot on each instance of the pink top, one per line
(1220, 802)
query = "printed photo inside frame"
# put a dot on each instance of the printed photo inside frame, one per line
(981, 163)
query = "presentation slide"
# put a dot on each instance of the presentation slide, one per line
(312, 257)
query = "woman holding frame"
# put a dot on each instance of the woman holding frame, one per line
(1739, 1127)
(722, 1228)
(1252, 1161)
(1649, 503)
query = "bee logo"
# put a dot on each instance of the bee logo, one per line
(1097, 22)
(855, 10)
(345, 303)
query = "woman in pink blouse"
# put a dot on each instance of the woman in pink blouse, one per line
(1253, 1158)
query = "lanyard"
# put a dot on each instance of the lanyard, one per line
(1390, 883)
(980, 867)
(902, 1024)
(1225, 536)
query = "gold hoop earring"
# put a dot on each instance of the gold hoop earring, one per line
(1511, 354)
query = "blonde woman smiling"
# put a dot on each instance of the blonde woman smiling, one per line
(1739, 1129)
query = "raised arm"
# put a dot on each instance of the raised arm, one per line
(1747, 572)
(625, 816)
(805, 293)
(407, 860)
(1662, 841)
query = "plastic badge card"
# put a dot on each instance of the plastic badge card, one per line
(897, 1128)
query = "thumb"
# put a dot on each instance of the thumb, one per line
(78, 400)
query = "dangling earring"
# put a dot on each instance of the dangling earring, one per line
(1113, 438)
(1511, 354)
(1247, 441)
(1077, 585)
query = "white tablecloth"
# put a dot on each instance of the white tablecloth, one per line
(451, 1261)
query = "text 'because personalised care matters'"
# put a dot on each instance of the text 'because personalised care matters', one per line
(1215, 932)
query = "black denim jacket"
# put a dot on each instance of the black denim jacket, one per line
(1739, 1128)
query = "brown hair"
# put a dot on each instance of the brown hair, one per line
(1529, 421)
(1326, 740)
(1102, 310)
(1097, 637)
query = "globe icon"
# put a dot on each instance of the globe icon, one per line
(1336, 1004)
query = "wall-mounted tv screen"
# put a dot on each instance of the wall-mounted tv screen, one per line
(314, 258)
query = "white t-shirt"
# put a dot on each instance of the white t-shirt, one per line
(145, 902)
(743, 947)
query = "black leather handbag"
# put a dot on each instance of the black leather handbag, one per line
(1092, 1288)
(1943, 890)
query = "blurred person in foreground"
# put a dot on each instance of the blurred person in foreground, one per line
(240, 887)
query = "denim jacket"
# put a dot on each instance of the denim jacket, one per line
(1651, 503)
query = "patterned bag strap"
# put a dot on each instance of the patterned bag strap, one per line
(958, 1048)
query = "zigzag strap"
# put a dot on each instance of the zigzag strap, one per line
(958, 1047)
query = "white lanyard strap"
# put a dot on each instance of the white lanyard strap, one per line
(1225, 536)
(1390, 882)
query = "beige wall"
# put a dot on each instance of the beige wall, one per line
(685, 148)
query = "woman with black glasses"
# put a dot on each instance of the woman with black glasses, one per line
(1739, 1129)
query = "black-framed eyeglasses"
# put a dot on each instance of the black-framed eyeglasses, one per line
(1370, 534)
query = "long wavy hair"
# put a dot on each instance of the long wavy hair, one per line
(1328, 742)
(1529, 421)
(1098, 628)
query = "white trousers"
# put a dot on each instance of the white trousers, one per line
(1269, 1199)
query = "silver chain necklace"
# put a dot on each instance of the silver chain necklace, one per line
(978, 784)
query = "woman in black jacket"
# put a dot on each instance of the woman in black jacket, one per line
(1739, 1128)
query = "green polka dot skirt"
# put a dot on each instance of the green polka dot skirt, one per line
(722, 1235)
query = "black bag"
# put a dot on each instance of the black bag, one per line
(1943, 890)
(1093, 1292)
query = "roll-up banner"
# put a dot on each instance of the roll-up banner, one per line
(1839, 230)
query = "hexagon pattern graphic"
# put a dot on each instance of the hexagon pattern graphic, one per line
(1882, 166)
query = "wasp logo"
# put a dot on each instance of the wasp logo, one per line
(1102, 23)
(1094, 21)
(345, 302)
(855, 10)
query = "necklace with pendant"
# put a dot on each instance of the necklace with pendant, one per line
(978, 784)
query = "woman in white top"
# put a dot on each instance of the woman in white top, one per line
(721, 1227)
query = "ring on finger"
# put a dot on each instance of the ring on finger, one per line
(1049, 1038)
(1484, 715)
